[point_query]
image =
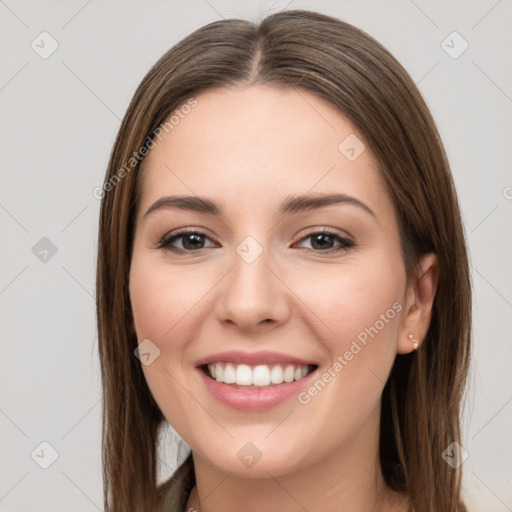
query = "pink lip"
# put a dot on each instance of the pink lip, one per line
(255, 399)
(252, 358)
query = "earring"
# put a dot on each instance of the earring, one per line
(414, 340)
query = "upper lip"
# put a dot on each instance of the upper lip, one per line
(252, 358)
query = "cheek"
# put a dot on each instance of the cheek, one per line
(360, 310)
(161, 300)
(360, 304)
(164, 304)
(158, 304)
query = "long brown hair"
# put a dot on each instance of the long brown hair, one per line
(422, 399)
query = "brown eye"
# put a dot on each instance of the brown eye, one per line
(324, 241)
(190, 241)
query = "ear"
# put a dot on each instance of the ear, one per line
(420, 295)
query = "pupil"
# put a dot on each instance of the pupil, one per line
(321, 237)
(194, 238)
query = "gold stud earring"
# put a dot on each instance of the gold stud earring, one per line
(414, 340)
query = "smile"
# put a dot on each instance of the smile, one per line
(255, 381)
(258, 376)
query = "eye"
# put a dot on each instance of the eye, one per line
(321, 241)
(324, 240)
(190, 240)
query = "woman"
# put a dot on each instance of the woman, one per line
(282, 276)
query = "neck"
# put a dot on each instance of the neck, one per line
(348, 478)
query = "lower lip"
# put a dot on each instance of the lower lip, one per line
(255, 399)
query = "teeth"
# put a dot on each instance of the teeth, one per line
(229, 374)
(276, 375)
(289, 373)
(243, 375)
(219, 372)
(260, 375)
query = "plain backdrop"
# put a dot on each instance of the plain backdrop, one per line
(60, 113)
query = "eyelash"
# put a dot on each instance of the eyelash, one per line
(165, 241)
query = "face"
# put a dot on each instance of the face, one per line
(263, 287)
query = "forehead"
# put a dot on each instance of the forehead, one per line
(244, 144)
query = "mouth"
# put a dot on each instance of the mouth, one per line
(255, 381)
(262, 376)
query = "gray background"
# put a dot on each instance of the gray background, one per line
(59, 119)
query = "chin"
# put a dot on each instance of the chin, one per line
(259, 457)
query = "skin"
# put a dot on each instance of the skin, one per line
(249, 149)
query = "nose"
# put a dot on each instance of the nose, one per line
(252, 296)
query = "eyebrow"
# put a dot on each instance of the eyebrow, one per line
(292, 204)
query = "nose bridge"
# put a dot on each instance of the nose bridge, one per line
(251, 294)
(250, 281)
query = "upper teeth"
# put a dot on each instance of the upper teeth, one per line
(260, 375)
